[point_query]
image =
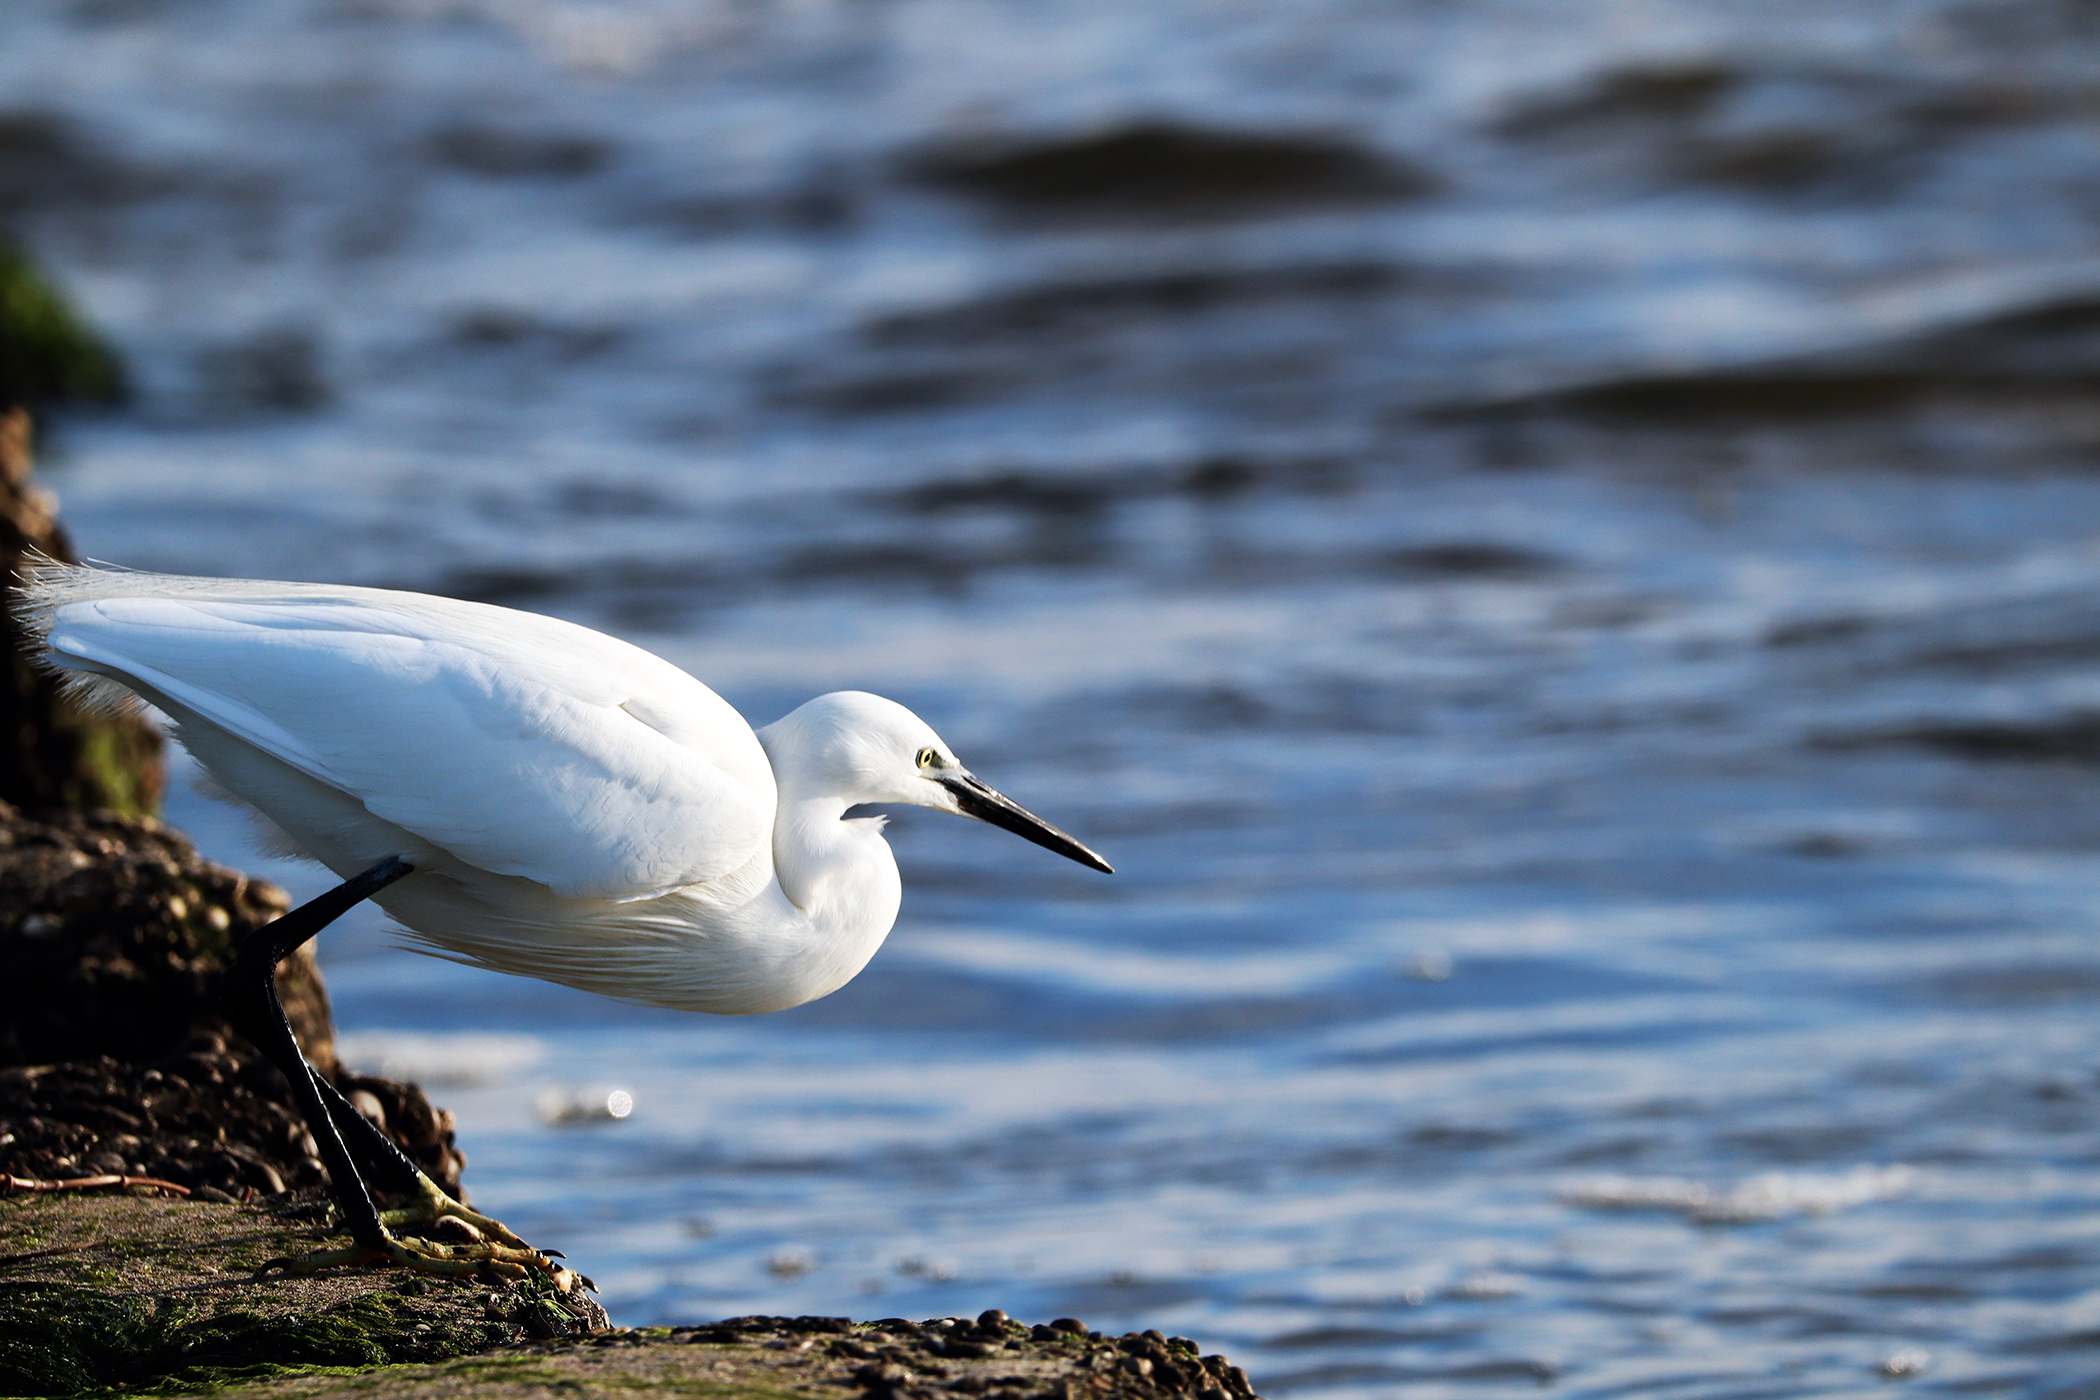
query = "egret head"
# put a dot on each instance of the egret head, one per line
(868, 749)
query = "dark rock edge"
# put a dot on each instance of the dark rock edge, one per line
(128, 1295)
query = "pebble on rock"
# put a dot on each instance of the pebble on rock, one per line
(115, 1058)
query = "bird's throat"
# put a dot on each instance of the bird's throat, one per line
(839, 873)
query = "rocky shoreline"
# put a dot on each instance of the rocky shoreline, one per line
(145, 1185)
(126, 1294)
(118, 1059)
(151, 1162)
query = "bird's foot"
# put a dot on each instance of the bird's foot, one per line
(481, 1260)
(436, 1210)
(479, 1246)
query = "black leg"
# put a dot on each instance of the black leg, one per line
(383, 1161)
(252, 1001)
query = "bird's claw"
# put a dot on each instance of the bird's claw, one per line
(489, 1249)
(488, 1261)
(302, 1264)
(434, 1208)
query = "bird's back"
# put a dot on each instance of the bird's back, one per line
(520, 744)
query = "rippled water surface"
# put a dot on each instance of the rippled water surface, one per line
(1556, 547)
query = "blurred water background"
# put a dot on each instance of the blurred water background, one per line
(1556, 546)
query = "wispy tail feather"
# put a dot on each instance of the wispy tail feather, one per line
(44, 585)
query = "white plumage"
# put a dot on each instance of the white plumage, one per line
(576, 809)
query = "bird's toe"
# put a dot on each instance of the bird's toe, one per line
(319, 1259)
(438, 1211)
(482, 1259)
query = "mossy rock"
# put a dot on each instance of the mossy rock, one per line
(804, 1358)
(57, 1339)
(122, 1295)
(126, 1293)
(55, 756)
(48, 355)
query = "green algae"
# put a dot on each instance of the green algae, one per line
(117, 769)
(119, 1294)
(48, 355)
(62, 1339)
(513, 1376)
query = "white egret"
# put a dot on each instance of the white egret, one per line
(520, 793)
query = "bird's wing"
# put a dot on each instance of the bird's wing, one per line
(522, 744)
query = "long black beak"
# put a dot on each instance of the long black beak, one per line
(981, 802)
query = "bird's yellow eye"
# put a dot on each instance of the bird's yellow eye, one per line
(928, 758)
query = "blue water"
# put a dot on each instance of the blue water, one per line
(1585, 657)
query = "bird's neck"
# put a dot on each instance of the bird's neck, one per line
(839, 873)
